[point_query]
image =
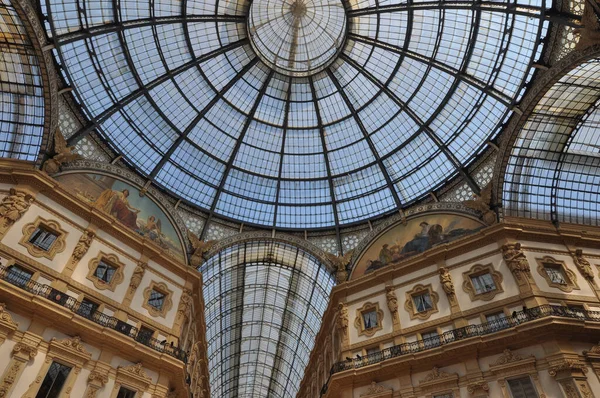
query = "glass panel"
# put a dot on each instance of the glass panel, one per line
(423, 302)
(483, 283)
(370, 319)
(555, 273)
(42, 238)
(105, 271)
(522, 388)
(53, 381)
(126, 393)
(157, 299)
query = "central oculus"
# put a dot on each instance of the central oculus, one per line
(297, 37)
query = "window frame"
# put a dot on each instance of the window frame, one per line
(63, 383)
(57, 246)
(359, 321)
(109, 259)
(476, 271)
(521, 377)
(570, 276)
(167, 303)
(411, 306)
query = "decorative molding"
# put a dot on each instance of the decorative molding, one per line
(117, 277)
(137, 276)
(24, 350)
(83, 245)
(569, 275)
(516, 260)
(446, 281)
(377, 390)
(435, 375)
(184, 309)
(342, 323)
(392, 304)
(58, 246)
(507, 357)
(132, 376)
(12, 208)
(359, 321)
(567, 365)
(478, 386)
(583, 265)
(7, 324)
(167, 303)
(410, 306)
(478, 270)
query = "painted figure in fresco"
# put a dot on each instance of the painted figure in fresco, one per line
(116, 204)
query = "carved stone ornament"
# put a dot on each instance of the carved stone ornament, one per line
(13, 207)
(98, 378)
(481, 203)
(568, 365)
(594, 350)
(392, 300)
(72, 344)
(6, 321)
(10, 377)
(446, 281)
(341, 263)
(63, 154)
(83, 245)
(472, 388)
(342, 322)
(515, 259)
(375, 389)
(583, 265)
(25, 350)
(200, 248)
(185, 304)
(138, 274)
(435, 374)
(135, 370)
(507, 356)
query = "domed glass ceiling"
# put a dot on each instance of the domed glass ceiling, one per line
(297, 113)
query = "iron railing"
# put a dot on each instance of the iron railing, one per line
(24, 282)
(517, 318)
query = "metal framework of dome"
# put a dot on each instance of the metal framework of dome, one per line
(297, 114)
(263, 302)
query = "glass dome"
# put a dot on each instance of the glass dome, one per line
(297, 114)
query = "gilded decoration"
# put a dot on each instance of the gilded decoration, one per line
(25, 350)
(12, 208)
(568, 365)
(376, 390)
(167, 304)
(479, 386)
(7, 324)
(200, 248)
(52, 226)
(122, 201)
(506, 357)
(132, 376)
(63, 154)
(446, 281)
(185, 304)
(341, 266)
(342, 322)
(117, 277)
(95, 381)
(83, 245)
(419, 234)
(478, 270)
(516, 260)
(570, 277)
(583, 265)
(429, 307)
(482, 204)
(359, 321)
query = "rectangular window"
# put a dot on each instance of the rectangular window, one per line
(126, 393)
(431, 339)
(373, 350)
(370, 319)
(446, 395)
(54, 381)
(144, 335)
(18, 275)
(105, 271)
(423, 302)
(87, 308)
(522, 388)
(157, 299)
(43, 238)
(483, 283)
(556, 274)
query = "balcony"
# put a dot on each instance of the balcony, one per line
(24, 282)
(466, 332)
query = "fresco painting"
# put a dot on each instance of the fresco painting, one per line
(418, 235)
(123, 201)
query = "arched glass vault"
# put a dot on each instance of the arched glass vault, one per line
(263, 305)
(388, 104)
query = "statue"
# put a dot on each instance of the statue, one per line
(83, 245)
(481, 203)
(340, 263)
(64, 154)
(392, 300)
(342, 321)
(137, 276)
(583, 265)
(14, 206)
(200, 248)
(185, 303)
(446, 281)
(515, 258)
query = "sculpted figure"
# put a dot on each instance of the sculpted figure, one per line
(392, 299)
(583, 265)
(340, 263)
(515, 258)
(14, 206)
(200, 248)
(342, 321)
(64, 154)
(83, 245)
(137, 276)
(446, 281)
(481, 203)
(185, 303)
